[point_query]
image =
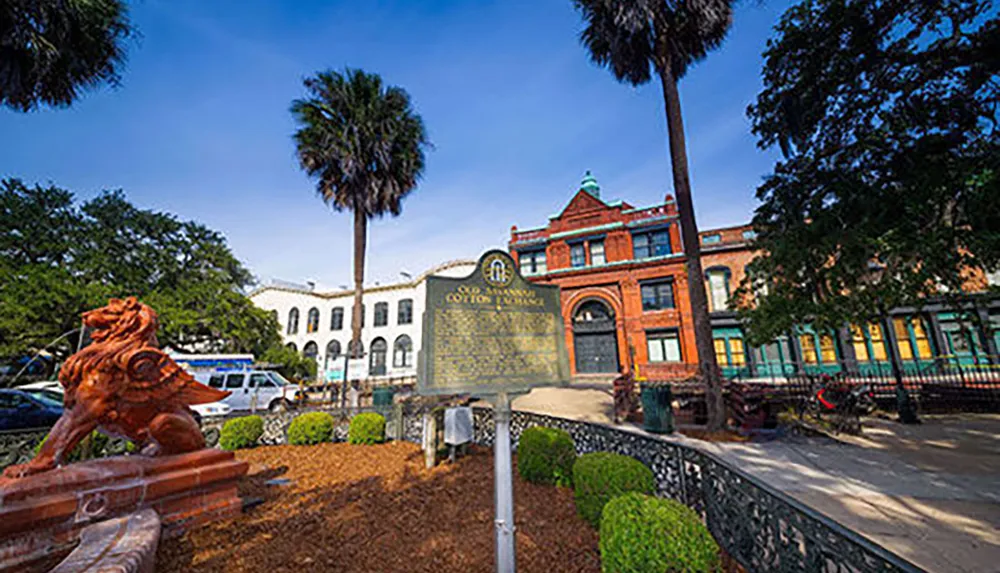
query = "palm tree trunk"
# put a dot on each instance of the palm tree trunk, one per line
(360, 240)
(692, 253)
(354, 348)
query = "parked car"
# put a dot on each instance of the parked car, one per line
(23, 411)
(54, 391)
(254, 389)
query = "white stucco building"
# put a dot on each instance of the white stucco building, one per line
(318, 324)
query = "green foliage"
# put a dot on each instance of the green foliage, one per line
(602, 476)
(646, 534)
(57, 260)
(91, 447)
(546, 455)
(290, 363)
(889, 189)
(367, 429)
(55, 49)
(310, 428)
(240, 433)
(363, 143)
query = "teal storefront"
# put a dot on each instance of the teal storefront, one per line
(820, 354)
(730, 352)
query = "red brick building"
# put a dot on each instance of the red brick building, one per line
(625, 301)
(623, 280)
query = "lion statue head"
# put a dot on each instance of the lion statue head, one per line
(121, 319)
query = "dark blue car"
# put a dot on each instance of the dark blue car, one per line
(22, 411)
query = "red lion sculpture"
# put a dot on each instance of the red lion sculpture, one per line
(125, 385)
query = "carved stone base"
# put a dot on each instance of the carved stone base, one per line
(44, 514)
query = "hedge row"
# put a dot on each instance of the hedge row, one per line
(639, 533)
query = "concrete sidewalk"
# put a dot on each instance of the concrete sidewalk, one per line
(929, 493)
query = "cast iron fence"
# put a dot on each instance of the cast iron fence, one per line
(761, 528)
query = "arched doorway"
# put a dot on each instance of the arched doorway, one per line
(595, 342)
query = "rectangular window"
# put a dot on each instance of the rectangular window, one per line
(532, 263)
(718, 287)
(878, 342)
(663, 346)
(337, 319)
(381, 313)
(737, 352)
(749, 235)
(711, 239)
(809, 352)
(650, 244)
(720, 351)
(597, 253)
(404, 314)
(234, 381)
(215, 381)
(576, 255)
(859, 344)
(657, 295)
(827, 349)
(903, 339)
(923, 343)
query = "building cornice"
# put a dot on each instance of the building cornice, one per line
(384, 288)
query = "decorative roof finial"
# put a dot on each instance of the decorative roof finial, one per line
(589, 184)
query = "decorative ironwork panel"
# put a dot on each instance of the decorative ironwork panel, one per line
(763, 529)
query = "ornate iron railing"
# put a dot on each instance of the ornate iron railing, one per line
(18, 446)
(760, 527)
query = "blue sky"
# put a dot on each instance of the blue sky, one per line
(516, 112)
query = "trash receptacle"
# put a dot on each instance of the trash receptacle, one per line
(657, 409)
(382, 398)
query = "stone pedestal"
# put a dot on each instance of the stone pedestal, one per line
(45, 513)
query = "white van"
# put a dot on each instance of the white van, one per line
(253, 389)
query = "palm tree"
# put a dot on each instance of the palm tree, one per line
(52, 49)
(632, 38)
(364, 144)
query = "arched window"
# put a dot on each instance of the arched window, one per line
(718, 288)
(292, 347)
(312, 321)
(404, 314)
(310, 350)
(377, 361)
(402, 352)
(361, 349)
(381, 313)
(332, 353)
(592, 311)
(337, 319)
(293, 321)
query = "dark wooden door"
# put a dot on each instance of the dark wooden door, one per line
(596, 352)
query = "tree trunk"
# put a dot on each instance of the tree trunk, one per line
(692, 253)
(360, 240)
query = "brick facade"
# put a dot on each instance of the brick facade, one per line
(616, 282)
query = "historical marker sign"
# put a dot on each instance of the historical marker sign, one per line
(491, 332)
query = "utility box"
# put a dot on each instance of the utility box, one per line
(458, 426)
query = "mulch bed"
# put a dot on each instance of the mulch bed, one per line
(376, 508)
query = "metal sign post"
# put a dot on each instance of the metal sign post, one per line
(495, 335)
(503, 484)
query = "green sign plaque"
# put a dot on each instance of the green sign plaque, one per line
(491, 331)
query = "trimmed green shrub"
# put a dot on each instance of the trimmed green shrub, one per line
(546, 455)
(240, 433)
(310, 428)
(645, 534)
(368, 428)
(601, 476)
